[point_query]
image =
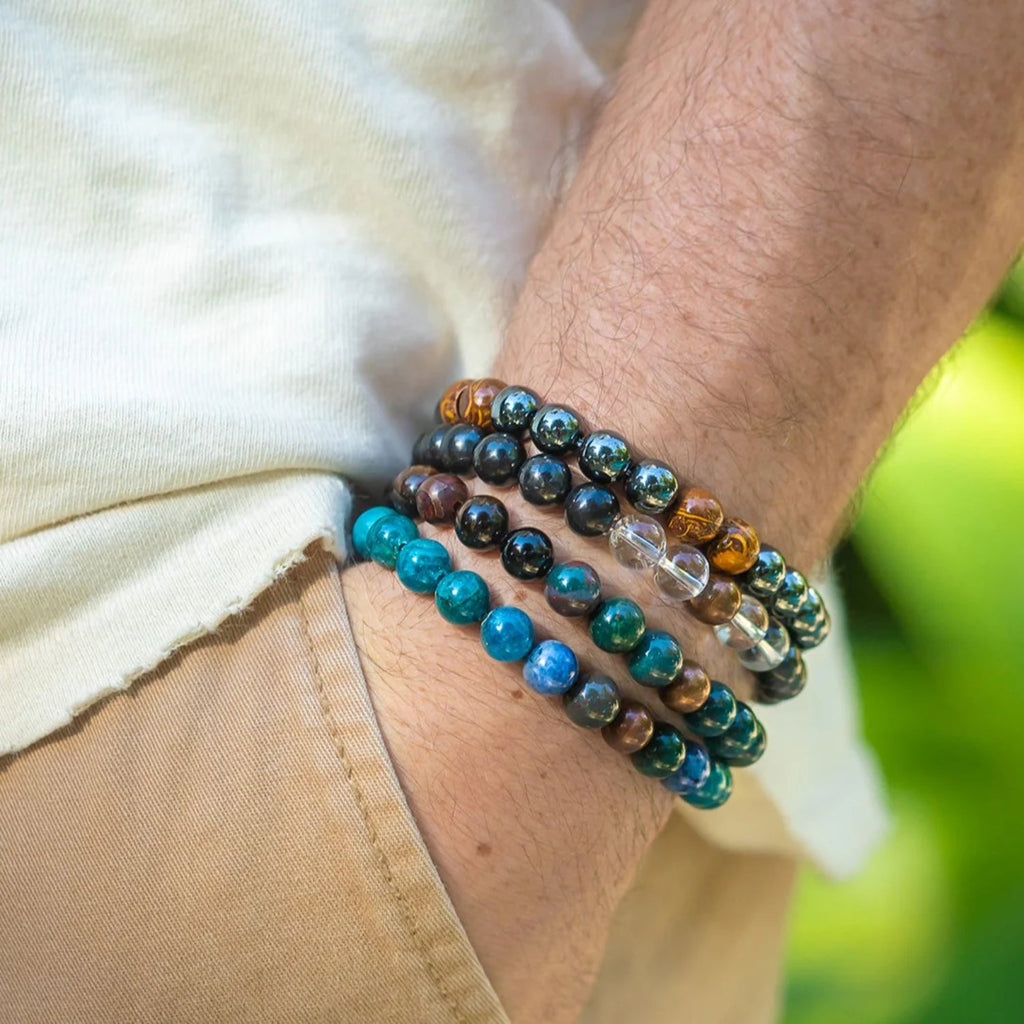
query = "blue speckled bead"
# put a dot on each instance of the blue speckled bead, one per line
(651, 486)
(513, 408)
(527, 553)
(498, 458)
(715, 790)
(791, 595)
(545, 480)
(765, 576)
(604, 456)
(716, 714)
(692, 773)
(592, 701)
(551, 668)
(421, 563)
(591, 509)
(388, 536)
(617, 625)
(573, 588)
(662, 754)
(743, 742)
(361, 527)
(785, 681)
(507, 634)
(556, 429)
(657, 659)
(458, 446)
(462, 597)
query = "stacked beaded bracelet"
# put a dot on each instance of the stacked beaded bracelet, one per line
(550, 667)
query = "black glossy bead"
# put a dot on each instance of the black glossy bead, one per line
(513, 408)
(765, 576)
(481, 522)
(433, 444)
(590, 509)
(527, 554)
(604, 456)
(651, 486)
(498, 458)
(421, 449)
(556, 429)
(458, 446)
(784, 681)
(791, 595)
(545, 480)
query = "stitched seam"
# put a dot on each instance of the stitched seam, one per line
(381, 857)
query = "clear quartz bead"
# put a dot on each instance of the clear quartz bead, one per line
(682, 572)
(746, 627)
(637, 542)
(770, 651)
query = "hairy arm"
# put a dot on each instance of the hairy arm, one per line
(786, 214)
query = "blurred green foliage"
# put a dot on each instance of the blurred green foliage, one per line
(932, 930)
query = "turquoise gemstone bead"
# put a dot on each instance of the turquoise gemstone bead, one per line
(592, 702)
(507, 634)
(743, 742)
(361, 527)
(617, 625)
(716, 714)
(662, 754)
(462, 597)
(421, 563)
(388, 536)
(551, 668)
(657, 659)
(715, 791)
(573, 588)
(692, 773)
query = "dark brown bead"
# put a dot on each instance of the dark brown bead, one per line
(696, 517)
(439, 497)
(448, 407)
(474, 403)
(632, 728)
(716, 603)
(735, 548)
(403, 490)
(688, 690)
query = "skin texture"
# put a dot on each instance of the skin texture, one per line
(786, 215)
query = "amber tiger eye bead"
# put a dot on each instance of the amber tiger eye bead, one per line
(448, 407)
(439, 497)
(718, 602)
(474, 403)
(735, 547)
(688, 690)
(697, 516)
(631, 729)
(403, 490)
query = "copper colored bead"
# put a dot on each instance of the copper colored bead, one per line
(405, 486)
(736, 547)
(632, 728)
(448, 407)
(474, 403)
(439, 497)
(717, 602)
(688, 690)
(697, 516)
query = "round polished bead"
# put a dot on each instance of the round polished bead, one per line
(617, 625)
(785, 681)
(717, 602)
(506, 633)
(428, 449)
(656, 660)
(696, 517)
(603, 456)
(421, 449)
(440, 497)
(651, 486)
(590, 509)
(421, 563)
(743, 742)
(637, 542)
(791, 595)
(404, 488)
(632, 728)
(769, 650)
(527, 553)
(810, 615)
(682, 573)
(767, 573)
(573, 588)
(551, 668)
(662, 754)
(448, 407)
(361, 527)
(388, 536)
(592, 701)
(474, 403)
(545, 480)
(481, 522)
(692, 773)
(715, 790)
(498, 458)
(715, 715)
(747, 627)
(688, 691)
(462, 597)
(816, 636)
(458, 446)
(735, 547)
(513, 408)
(555, 429)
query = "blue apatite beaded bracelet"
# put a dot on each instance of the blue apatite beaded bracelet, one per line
(550, 667)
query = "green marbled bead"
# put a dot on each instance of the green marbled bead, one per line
(657, 659)
(743, 742)
(716, 714)
(388, 536)
(715, 790)
(421, 563)
(617, 625)
(462, 597)
(662, 754)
